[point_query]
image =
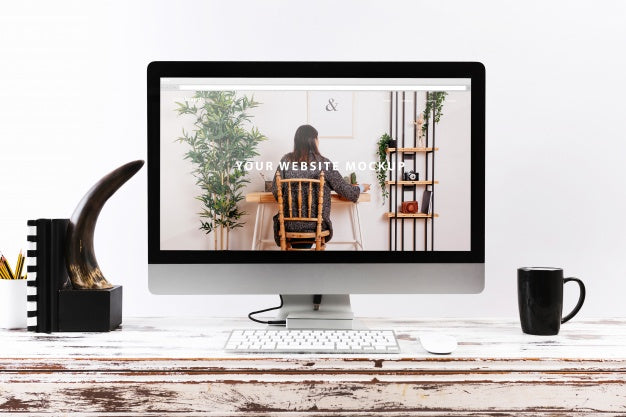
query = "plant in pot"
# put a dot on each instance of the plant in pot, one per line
(221, 142)
(351, 179)
(384, 142)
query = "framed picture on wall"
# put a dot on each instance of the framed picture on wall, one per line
(331, 113)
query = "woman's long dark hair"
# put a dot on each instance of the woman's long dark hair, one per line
(304, 144)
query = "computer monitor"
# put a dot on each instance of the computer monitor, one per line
(219, 132)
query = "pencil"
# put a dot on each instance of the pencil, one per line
(19, 266)
(7, 267)
(22, 267)
(4, 274)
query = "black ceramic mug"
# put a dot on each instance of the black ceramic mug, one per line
(540, 299)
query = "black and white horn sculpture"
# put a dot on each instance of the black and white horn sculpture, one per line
(80, 258)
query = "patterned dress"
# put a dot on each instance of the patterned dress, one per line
(333, 181)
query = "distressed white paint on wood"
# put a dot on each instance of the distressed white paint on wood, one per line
(166, 365)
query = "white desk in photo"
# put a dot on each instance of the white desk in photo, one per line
(264, 199)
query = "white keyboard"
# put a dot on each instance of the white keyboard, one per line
(312, 341)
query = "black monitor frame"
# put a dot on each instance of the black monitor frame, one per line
(206, 69)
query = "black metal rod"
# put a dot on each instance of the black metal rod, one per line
(389, 158)
(396, 184)
(414, 164)
(401, 187)
(432, 196)
(426, 187)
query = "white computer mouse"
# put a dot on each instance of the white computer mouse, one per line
(439, 344)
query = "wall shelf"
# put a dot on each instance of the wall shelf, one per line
(404, 228)
(410, 215)
(411, 150)
(410, 182)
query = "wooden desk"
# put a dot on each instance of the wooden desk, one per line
(266, 197)
(163, 366)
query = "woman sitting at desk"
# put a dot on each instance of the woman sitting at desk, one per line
(306, 154)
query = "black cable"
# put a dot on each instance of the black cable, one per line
(317, 300)
(273, 322)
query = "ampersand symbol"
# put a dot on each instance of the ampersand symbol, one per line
(332, 105)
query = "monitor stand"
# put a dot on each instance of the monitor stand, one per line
(335, 312)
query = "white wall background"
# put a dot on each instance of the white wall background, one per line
(277, 117)
(72, 107)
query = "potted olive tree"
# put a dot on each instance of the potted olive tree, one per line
(220, 143)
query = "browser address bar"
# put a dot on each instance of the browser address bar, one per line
(283, 87)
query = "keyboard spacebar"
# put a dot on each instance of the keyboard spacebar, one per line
(304, 347)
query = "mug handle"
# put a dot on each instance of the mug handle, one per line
(581, 299)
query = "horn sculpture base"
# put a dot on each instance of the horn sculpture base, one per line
(90, 310)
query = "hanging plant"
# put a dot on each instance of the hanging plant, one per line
(434, 101)
(221, 144)
(383, 165)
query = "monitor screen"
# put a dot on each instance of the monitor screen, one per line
(401, 159)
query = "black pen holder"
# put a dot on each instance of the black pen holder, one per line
(90, 310)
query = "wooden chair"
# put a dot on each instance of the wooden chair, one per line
(287, 239)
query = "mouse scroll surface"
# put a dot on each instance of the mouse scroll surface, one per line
(439, 344)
